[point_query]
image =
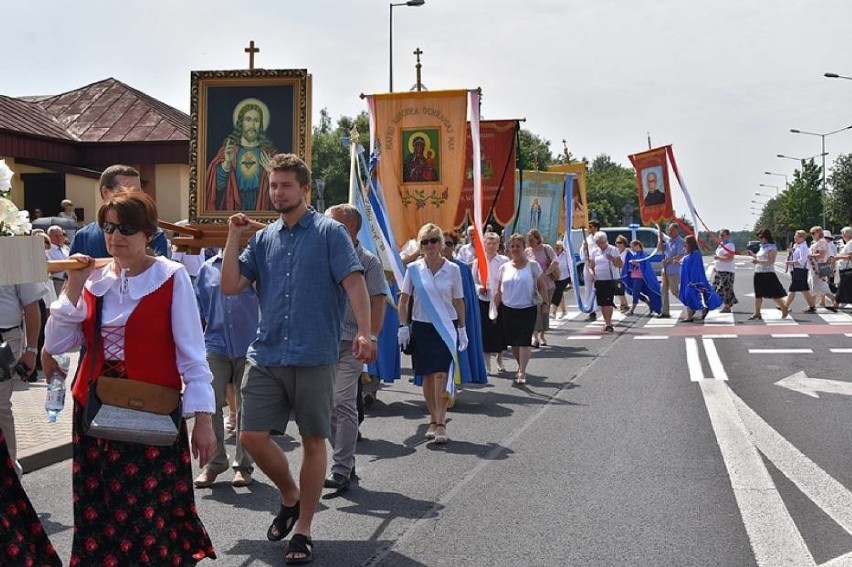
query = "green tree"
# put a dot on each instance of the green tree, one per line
(840, 197)
(802, 202)
(773, 217)
(611, 186)
(330, 158)
(533, 150)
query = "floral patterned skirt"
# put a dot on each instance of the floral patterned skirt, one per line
(134, 504)
(723, 283)
(22, 537)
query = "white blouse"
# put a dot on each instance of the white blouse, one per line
(447, 281)
(121, 295)
(493, 276)
(517, 286)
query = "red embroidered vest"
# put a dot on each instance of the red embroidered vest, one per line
(149, 347)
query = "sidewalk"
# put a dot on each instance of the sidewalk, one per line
(41, 443)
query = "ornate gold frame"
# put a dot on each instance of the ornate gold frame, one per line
(201, 81)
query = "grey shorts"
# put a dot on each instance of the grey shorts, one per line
(271, 393)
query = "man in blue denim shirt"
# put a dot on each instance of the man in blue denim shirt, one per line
(304, 266)
(230, 325)
(674, 250)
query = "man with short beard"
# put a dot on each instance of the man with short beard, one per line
(236, 177)
(304, 266)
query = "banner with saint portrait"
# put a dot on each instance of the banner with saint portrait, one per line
(540, 203)
(652, 185)
(420, 137)
(240, 119)
(579, 201)
(497, 149)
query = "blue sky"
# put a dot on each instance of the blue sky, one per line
(722, 81)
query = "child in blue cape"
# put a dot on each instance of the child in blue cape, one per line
(695, 293)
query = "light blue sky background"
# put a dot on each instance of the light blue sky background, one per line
(723, 80)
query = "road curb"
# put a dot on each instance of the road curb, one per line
(46, 455)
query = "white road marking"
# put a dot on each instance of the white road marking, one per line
(650, 337)
(791, 336)
(841, 350)
(714, 360)
(774, 538)
(719, 336)
(670, 322)
(719, 318)
(780, 351)
(773, 317)
(583, 337)
(826, 492)
(804, 384)
(836, 318)
(848, 335)
(693, 360)
(842, 561)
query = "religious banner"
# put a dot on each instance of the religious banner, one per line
(239, 120)
(420, 137)
(579, 201)
(652, 184)
(497, 159)
(540, 203)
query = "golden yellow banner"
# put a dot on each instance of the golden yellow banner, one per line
(421, 137)
(581, 203)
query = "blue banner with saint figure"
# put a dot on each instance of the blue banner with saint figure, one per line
(539, 203)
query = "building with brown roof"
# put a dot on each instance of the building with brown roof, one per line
(58, 145)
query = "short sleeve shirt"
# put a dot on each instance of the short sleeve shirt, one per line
(447, 281)
(674, 247)
(13, 299)
(604, 269)
(374, 274)
(298, 271)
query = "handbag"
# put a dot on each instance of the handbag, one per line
(132, 411)
(617, 284)
(824, 269)
(554, 274)
(537, 298)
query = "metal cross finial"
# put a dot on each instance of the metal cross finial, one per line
(417, 53)
(251, 50)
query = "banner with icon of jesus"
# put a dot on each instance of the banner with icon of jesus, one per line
(652, 185)
(421, 141)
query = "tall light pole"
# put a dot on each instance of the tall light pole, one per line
(801, 160)
(822, 136)
(836, 76)
(771, 187)
(784, 175)
(390, 36)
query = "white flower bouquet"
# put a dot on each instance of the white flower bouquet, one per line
(22, 258)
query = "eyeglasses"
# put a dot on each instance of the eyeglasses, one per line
(427, 241)
(124, 229)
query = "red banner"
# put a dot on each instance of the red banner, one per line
(652, 184)
(497, 148)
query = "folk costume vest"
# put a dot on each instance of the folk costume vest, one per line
(149, 347)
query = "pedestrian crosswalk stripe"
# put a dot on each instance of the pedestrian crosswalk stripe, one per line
(791, 336)
(780, 351)
(841, 350)
(670, 322)
(773, 317)
(836, 318)
(719, 318)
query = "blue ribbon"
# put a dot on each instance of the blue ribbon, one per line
(569, 218)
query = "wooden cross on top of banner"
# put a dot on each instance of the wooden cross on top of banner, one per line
(251, 50)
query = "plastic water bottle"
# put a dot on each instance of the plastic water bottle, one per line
(55, 400)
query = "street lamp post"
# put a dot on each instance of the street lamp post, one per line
(771, 187)
(390, 36)
(836, 76)
(802, 160)
(784, 175)
(822, 136)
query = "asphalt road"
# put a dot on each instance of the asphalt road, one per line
(667, 443)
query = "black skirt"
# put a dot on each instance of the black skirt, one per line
(844, 288)
(518, 325)
(492, 331)
(431, 354)
(767, 286)
(800, 280)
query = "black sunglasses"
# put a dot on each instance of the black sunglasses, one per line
(124, 229)
(427, 241)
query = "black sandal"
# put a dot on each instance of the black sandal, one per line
(302, 544)
(283, 522)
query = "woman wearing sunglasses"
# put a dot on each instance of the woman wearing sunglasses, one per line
(132, 500)
(435, 284)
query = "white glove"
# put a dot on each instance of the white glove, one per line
(403, 336)
(462, 339)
